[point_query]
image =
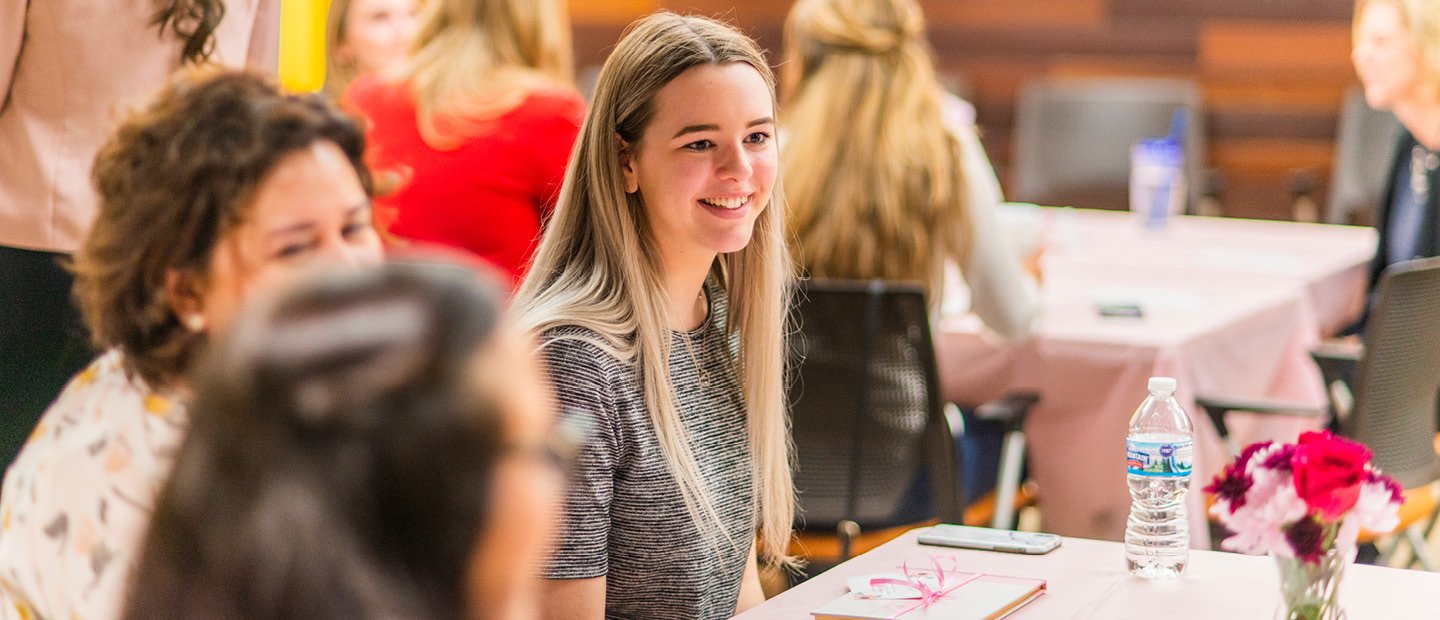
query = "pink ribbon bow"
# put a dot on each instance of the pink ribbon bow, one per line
(928, 595)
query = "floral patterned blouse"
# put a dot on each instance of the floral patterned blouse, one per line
(76, 502)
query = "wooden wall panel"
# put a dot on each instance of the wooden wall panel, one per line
(1282, 10)
(1017, 13)
(1271, 48)
(590, 12)
(1273, 71)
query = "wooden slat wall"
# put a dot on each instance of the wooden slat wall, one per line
(1273, 72)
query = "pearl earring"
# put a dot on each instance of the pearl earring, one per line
(195, 322)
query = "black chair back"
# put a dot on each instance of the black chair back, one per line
(1397, 381)
(866, 411)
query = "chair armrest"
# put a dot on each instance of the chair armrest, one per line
(1216, 408)
(1337, 360)
(1009, 410)
(1339, 350)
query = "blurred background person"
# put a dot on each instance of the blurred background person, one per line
(884, 175)
(367, 445)
(479, 121)
(659, 295)
(885, 179)
(365, 36)
(220, 188)
(69, 72)
(1397, 56)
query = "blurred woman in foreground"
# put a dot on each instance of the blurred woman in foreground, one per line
(364, 446)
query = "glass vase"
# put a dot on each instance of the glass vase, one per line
(1311, 591)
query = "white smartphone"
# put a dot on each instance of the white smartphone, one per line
(984, 538)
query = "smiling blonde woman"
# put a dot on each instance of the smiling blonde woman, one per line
(659, 294)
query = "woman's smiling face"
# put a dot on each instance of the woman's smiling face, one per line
(1386, 56)
(707, 161)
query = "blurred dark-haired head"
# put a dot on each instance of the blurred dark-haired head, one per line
(215, 190)
(351, 456)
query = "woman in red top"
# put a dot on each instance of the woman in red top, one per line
(476, 126)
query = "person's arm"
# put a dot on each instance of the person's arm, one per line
(751, 594)
(573, 599)
(574, 584)
(1005, 297)
(263, 53)
(12, 34)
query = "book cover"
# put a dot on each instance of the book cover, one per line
(987, 597)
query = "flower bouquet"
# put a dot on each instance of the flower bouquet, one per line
(1305, 504)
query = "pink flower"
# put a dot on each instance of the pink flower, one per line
(1328, 472)
(1271, 506)
(1377, 509)
(1396, 492)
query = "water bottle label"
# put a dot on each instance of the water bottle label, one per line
(1160, 459)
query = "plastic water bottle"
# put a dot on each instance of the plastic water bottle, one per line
(1159, 456)
(1157, 180)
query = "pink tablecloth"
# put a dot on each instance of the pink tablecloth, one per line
(1087, 581)
(1230, 308)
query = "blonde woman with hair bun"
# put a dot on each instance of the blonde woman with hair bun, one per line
(884, 172)
(476, 125)
(659, 294)
(886, 178)
(1397, 57)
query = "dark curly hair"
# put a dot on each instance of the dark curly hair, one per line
(340, 455)
(173, 181)
(193, 22)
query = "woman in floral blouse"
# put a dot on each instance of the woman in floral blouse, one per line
(221, 187)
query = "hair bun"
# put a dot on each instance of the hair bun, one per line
(850, 30)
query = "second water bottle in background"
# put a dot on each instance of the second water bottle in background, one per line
(1160, 450)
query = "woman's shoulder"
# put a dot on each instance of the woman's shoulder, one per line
(372, 90)
(91, 468)
(103, 407)
(90, 473)
(581, 348)
(552, 103)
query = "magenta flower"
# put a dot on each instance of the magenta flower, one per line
(1307, 539)
(1303, 499)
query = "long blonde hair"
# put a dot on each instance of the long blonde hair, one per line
(475, 60)
(1422, 19)
(339, 72)
(598, 267)
(873, 177)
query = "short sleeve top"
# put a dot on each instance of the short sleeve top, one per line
(624, 515)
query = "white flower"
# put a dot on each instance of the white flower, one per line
(1376, 509)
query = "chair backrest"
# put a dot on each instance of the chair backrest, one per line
(1364, 142)
(865, 408)
(1073, 137)
(1397, 381)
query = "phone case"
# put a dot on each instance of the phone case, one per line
(987, 539)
